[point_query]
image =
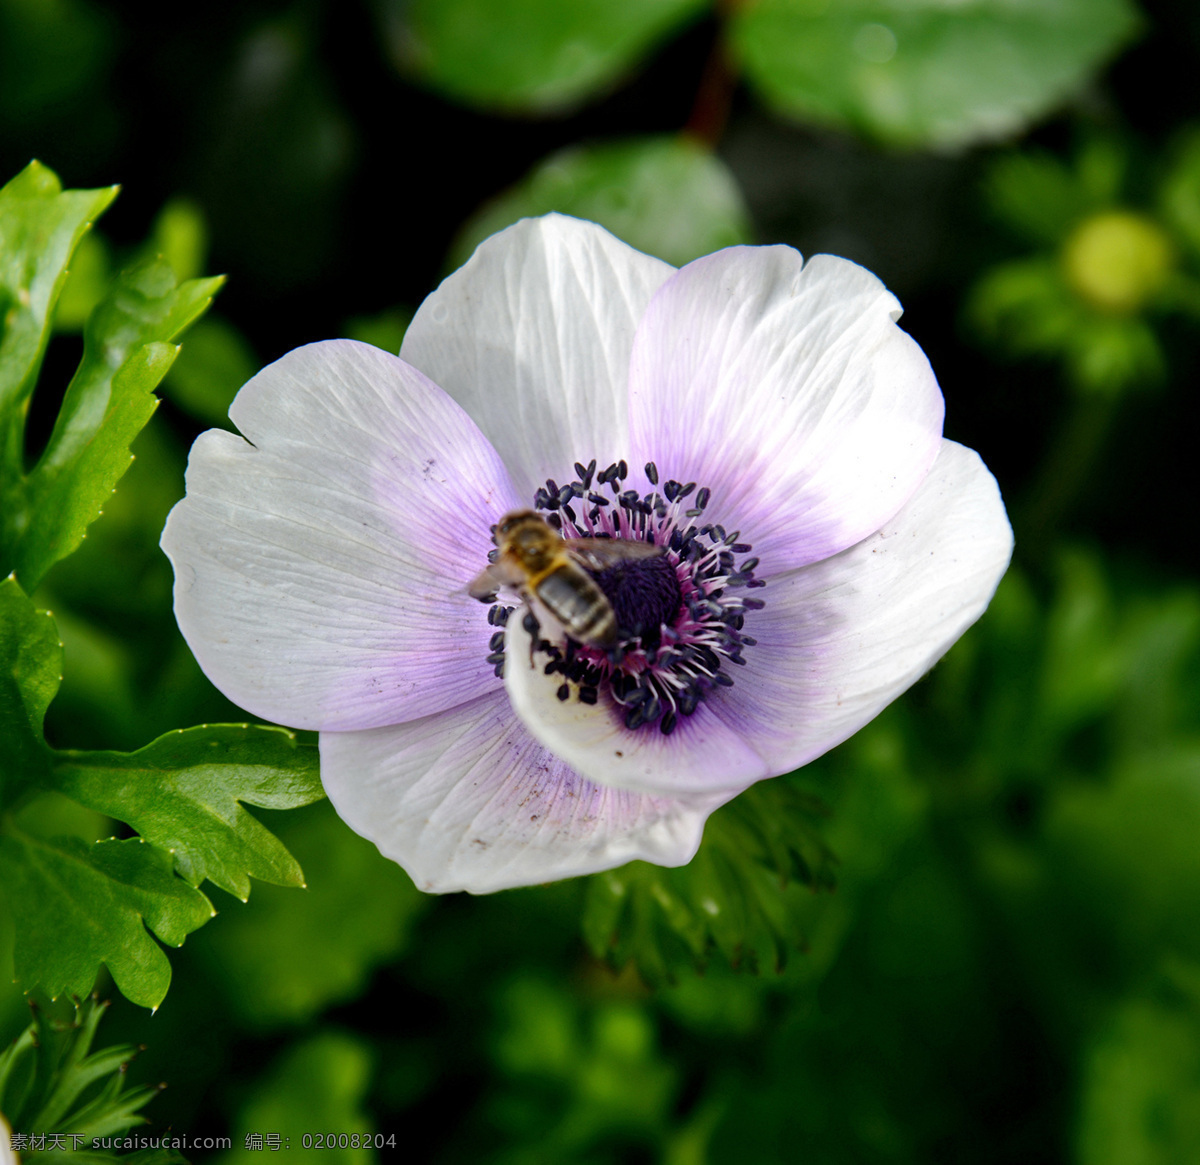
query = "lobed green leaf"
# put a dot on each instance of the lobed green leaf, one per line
(924, 72)
(275, 958)
(40, 227)
(51, 1082)
(30, 672)
(77, 906)
(127, 351)
(183, 792)
(743, 895)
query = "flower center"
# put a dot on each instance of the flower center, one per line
(645, 596)
(679, 615)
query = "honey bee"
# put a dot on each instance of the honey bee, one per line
(537, 562)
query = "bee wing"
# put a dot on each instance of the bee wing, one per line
(601, 553)
(485, 585)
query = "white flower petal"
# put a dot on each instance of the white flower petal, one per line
(703, 755)
(840, 640)
(466, 800)
(532, 336)
(7, 1155)
(788, 389)
(837, 642)
(320, 571)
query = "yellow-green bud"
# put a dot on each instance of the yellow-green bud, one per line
(1117, 260)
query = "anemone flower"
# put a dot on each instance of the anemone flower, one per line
(762, 422)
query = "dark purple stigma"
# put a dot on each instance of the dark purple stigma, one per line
(644, 594)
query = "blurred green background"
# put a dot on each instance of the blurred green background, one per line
(1008, 970)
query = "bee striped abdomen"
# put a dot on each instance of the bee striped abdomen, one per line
(572, 596)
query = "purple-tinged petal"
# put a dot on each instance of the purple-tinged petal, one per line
(840, 640)
(320, 564)
(703, 755)
(836, 643)
(788, 389)
(467, 800)
(532, 336)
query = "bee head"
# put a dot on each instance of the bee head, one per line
(511, 523)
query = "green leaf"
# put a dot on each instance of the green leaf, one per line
(750, 896)
(743, 894)
(572, 1075)
(87, 282)
(320, 1086)
(1024, 307)
(1179, 197)
(1106, 356)
(924, 72)
(180, 237)
(384, 330)
(1141, 1086)
(274, 957)
(76, 906)
(1036, 195)
(666, 196)
(51, 1082)
(1125, 857)
(40, 227)
(30, 672)
(528, 56)
(127, 351)
(182, 793)
(215, 362)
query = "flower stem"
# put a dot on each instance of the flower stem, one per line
(714, 97)
(1067, 469)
